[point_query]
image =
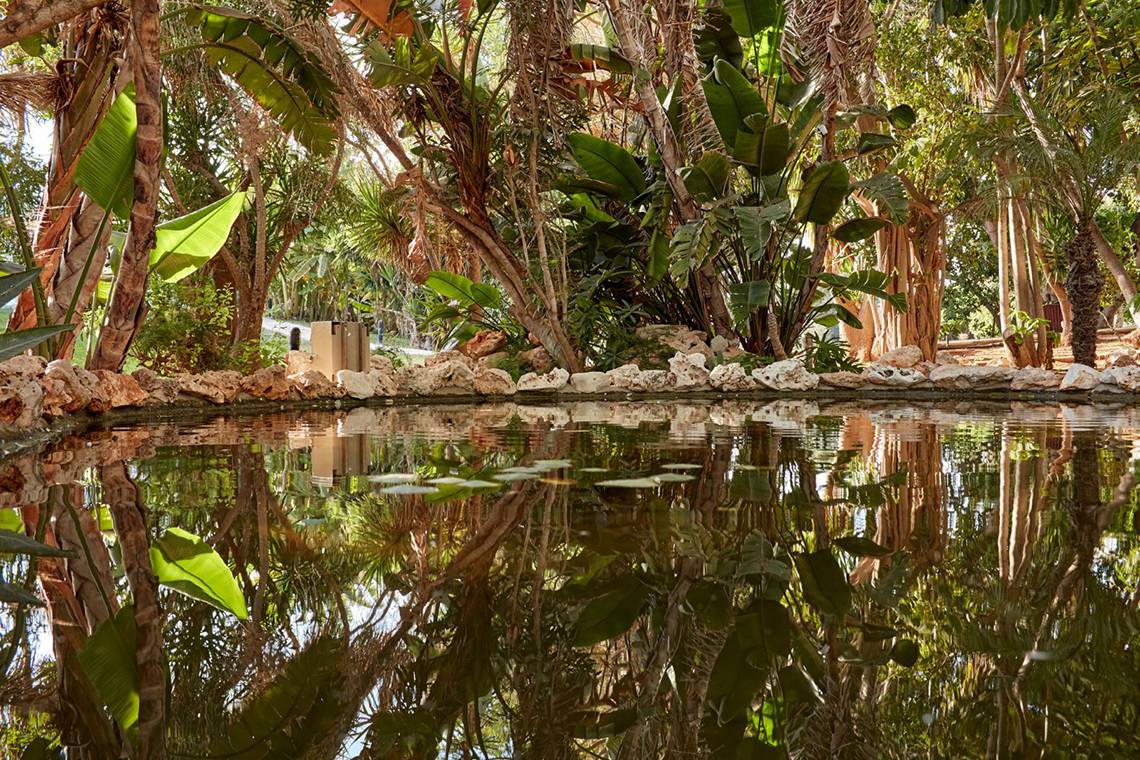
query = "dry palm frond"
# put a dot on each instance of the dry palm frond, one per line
(835, 39)
(24, 90)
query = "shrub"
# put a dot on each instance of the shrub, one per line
(186, 328)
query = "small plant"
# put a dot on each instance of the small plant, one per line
(182, 328)
(466, 308)
(1022, 325)
(830, 354)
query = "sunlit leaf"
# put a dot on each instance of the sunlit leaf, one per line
(108, 660)
(187, 564)
(186, 244)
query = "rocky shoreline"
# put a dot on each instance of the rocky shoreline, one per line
(38, 396)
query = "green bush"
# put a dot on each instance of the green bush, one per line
(186, 329)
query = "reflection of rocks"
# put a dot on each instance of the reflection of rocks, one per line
(731, 377)
(786, 375)
(687, 372)
(359, 421)
(555, 416)
(1080, 378)
(895, 377)
(493, 382)
(790, 414)
(554, 380)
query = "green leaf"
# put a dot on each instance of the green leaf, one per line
(275, 70)
(601, 56)
(902, 116)
(754, 229)
(822, 194)
(11, 285)
(606, 162)
(16, 343)
(612, 613)
(186, 244)
(453, 287)
(731, 98)
(746, 297)
(108, 660)
(861, 546)
(105, 172)
(858, 229)
(886, 190)
(715, 38)
(750, 17)
(18, 595)
(708, 177)
(767, 152)
(17, 543)
(824, 583)
(870, 142)
(658, 256)
(485, 295)
(905, 652)
(186, 563)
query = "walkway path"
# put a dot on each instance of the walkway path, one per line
(281, 327)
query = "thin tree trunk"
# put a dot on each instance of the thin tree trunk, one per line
(1116, 268)
(126, 310)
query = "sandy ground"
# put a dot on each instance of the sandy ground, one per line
(1062, 355)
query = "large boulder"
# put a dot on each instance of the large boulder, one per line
(687, 372)
(1034, 379)
(1126, 379)
(623, 378)
(731, 377)
(651, 381)
(845, 380)
(965, 377)
(443, 357)
(538, 359)
(1080, 377)
(451, 378)
(297, 362)
(895, 377)
(483, 344)
(380, 362)
(21, 402)
(786, 375)
(268, 383)
(219, 387)
(314, 384)
(358, 385)
(554, 380)
(68, 388)
(159, 390)
(24, 364)
(680, 338)
(385, 380)
(903, 357)
(120, 390)
(490, 381)
(591, 382)
(1123, 357)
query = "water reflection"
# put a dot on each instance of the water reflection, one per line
(590, 580)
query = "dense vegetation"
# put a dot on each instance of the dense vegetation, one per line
(760, 171)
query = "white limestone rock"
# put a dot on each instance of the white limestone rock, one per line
(966, 378)
(449, 378)
(731, 377)
(359, 385)
(903, 357)
(554, 380)
(1080, 377)
(591, 382)
(624, 377)
(490, 381)
(651, 381)
(894, 377)
(1034, 379)
(786, 375)
(845, 380)
(1124, 379)
(687, 372)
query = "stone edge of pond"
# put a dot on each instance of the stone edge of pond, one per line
(194, 411)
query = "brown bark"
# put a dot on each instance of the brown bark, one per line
(127, 514)
(89, 47)
(26, 17)
(1084, 283)
(126, 309)
(1116, 268)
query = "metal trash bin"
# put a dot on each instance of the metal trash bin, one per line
(340, 345)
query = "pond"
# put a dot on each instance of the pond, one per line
(629, 580)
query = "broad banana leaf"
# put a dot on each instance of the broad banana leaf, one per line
(105, 172)
(606, 162)
(185, 244)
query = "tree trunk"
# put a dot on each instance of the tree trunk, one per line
(914, 259)
(89, 48)
(126, 309)
(27, 17)
(1115, 266)
(1084, 284)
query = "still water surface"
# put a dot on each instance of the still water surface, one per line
(591, 580)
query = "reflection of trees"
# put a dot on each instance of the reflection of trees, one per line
(557, 621)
